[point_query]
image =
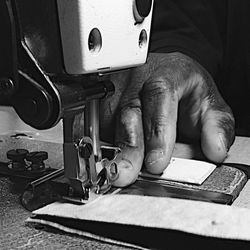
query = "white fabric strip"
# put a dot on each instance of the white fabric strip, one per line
(195, 217)
(187, 171)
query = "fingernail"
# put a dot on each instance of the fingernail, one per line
(223, 143)
(154, 156)
(113, 168)
(113, 171)
(124, 163)
(126, 172)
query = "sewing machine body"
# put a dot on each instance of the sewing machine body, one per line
(59, 55)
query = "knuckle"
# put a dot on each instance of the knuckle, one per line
(129, 104)
(159, 124)
(157, 88)
(129, 128)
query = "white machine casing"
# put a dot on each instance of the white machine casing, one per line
(104, 35)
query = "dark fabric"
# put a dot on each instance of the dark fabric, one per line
(217, 35)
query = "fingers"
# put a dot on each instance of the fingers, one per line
(204, 115)
(160, 104)
(129, 137)
(217, 134)
(148, 116)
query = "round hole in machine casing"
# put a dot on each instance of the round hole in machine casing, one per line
(143, 38)
(95, 41)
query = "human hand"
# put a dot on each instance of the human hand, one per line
(170, 92)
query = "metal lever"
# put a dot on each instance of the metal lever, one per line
(42, 192)
(91, 125)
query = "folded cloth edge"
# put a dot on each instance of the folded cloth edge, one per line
(84, 233)
(196, 217)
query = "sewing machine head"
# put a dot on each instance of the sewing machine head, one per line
(57, 54)
(101, 36)
(49, 46)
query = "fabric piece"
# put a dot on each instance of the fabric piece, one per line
(188, 171)
(224, 179)
(199, 218)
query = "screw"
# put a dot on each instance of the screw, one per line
(6, 86)
(85, 150)
(17, 157)
(37, 158)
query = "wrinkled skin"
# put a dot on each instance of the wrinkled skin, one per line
(151, 100)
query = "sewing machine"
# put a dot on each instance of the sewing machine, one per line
(58, 59)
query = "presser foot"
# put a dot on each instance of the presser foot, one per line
(106, 173)
(55, 187)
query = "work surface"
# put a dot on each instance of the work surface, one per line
(16, 234)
